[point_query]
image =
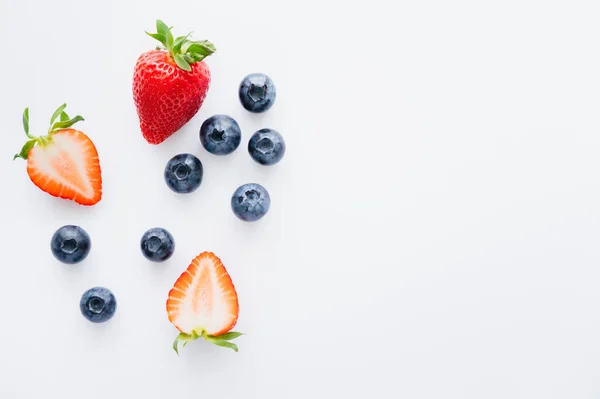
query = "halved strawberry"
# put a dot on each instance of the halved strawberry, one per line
(64, 163)
(203, 303)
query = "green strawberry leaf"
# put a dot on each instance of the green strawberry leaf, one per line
(193, 57)
(64, 117)
(158, 37)
(162, 28)
(65, 124)
(163, 34)
(185, 46)
(170, 40)
(204, 48)
(182, 337)
(25, 150)
(176, 346)
(57, 113)
(184, 52)
(228, 336)
(197, 51)
(208, 46)
(181, 62)
(26, 122)
(223, 343)
(221, 340)
(185, 337)
(179, 42)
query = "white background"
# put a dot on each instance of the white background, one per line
(434, 227)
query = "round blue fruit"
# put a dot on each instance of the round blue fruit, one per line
(266, 147)
(250, 202)
(183, 173)
(157, 244)
(220, 135)
(257, 92)
(70, 244)
(98, 304)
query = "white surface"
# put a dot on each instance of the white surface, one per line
(435, 223)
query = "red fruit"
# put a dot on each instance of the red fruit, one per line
(64, 163)
(170, 83)
(203, 303)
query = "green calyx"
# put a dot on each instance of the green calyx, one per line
(185, 52)
(59, 121)
(219, 340)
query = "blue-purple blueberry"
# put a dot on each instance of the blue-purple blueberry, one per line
(250, 202)
(266, 147)
(220, 135)
(257, 92)
(70, 244)
(157, 244)
(98, 304)
(183, 173)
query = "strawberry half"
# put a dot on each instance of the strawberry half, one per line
(203, 303)
(170, 83)
(65, 162)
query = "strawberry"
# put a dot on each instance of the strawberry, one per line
(64, 163)
(170, 83)
(203, 303)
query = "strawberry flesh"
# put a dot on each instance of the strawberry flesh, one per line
(203, 299)
(67, 167)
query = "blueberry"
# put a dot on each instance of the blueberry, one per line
(250, 202)
(266, 147)
(183, 173)
(98, 304)
(220, 135)
(257, 92)
(157, 244)
(70, 244)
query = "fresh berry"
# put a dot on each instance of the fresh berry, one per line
(257, 92)
(266, 147)
(220, 135)
(250, 202)
(170, 83)
(183, 173)
(157, 244)
(203, 303)
(98, 304)
(64, 163)
(70, 244)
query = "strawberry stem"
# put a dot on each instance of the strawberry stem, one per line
(184, 52)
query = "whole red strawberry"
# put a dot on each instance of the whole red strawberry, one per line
(170, 83)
